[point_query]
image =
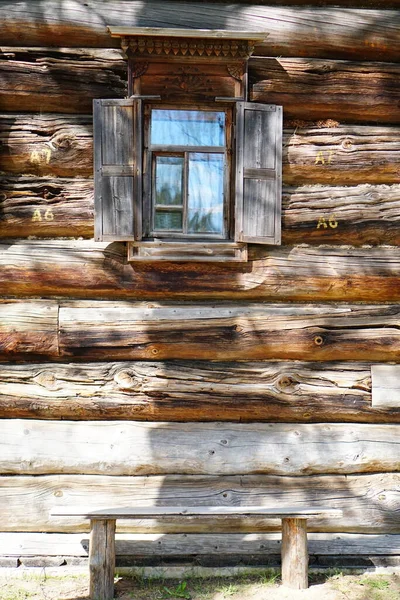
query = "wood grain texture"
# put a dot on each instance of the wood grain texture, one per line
(149, 545)
(44, 207)
(385, 385)
(299, 31)
(308, 89)
(192, 391)
(369, 503)
(28, 328)
(124, 330)
(46, 144)
(70, 79)
(294, 554)
(312, 88)
(324, 153)
(139, 448)
(364, 214)
(91, 270)
(102, 560)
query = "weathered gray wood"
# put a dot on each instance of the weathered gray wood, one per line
(298, 31)
(195, 391)
(153, 544)
(124, 330)
(202, 512)
(70, 79)
(294, 553)
(114, 191)
(369, 503)
(28, 328)
(385, 386)
(258, 184)
(102, 559)
(132, 448)
(305, 88)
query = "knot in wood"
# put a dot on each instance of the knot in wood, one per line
(125, 380)
(347, 144)
(318, 340)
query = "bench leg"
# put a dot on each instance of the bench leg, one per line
(294, 553)
(102, 559)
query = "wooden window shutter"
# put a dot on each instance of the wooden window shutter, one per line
(258, 173)
(117, 169)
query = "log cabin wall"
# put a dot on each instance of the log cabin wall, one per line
(192, 383)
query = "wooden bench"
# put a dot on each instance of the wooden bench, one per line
(102, 536)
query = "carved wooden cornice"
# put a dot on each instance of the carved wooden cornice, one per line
(147, 47)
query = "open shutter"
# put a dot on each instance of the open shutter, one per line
(117, 169)
(258, 173)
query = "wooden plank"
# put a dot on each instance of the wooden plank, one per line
(192, 391)
(148, 545)
(327, 153)
(124, 330)
(294, 554)
(298, 31)
(369, 502)
(102, 560)
(28, 328)
(133, 448)
(222, 513)
(364, 214)
(385, 386)
(71, 80)
(84, 269)
(321, 89)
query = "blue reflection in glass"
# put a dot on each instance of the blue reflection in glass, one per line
(187, 128)
(169, 173)
(205, 193)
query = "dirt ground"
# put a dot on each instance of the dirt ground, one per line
(41, 585)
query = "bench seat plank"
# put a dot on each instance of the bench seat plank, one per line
(194, 511)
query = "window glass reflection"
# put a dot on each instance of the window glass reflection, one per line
(168, 221)
(187, 128)
(205, 193)
(169, 172)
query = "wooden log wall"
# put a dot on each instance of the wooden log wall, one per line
(111, 374)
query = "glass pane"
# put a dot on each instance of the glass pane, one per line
(168, 221)
(206, 193)
(169, 171)
(187, 128)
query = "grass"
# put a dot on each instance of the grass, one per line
(244, 587)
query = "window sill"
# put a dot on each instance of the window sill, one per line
(187, 251)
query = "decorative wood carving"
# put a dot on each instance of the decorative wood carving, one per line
(156, 46)
(236, 71)
(138, 69)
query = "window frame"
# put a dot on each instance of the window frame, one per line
(148, 233)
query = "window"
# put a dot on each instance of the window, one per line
(185, 169)
(188, 160)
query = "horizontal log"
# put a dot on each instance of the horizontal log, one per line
(28, 328)
(299, 31)
(90, 270)
(60, 79)
(44, 207)
(365, 214)
(139, 448)
(321, 89)
(339, 155)
(369, 503)
(340, 215)
(49, 144)
(307, 88)
(123, 330)
(149, 545)
(186, 391)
